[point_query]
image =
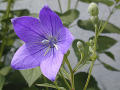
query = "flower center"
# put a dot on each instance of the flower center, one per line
(51, 42)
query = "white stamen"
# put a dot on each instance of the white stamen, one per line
(47, 50)
(45, 41)
(56, 46)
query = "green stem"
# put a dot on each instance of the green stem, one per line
(77, 66)
(45, 82)
(65, 72)
(88, 79)
(5, 16)
(95, 44)
(8, 8)
(69, 4)
(71, 72)
(76, 4)
(65, 80)
(101, 30)
(68, 64)
(92, 64)
(56, 85)
(95, 40)
(60, 6)
(72, 81)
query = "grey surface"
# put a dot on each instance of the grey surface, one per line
(107, 80)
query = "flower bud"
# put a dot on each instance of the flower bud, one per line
(91, 49)
(94, 19)
(79, 45)
(93, 9)
(91, 42)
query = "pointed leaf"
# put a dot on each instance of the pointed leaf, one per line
(69, 16)
(50, 85)
(105, 43)
(31, 75)
(87, 25)
(109, 67)
(109, 54)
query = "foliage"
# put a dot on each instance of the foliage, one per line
(31, 75)
(87, 25)
(80, 79)
(69, 16)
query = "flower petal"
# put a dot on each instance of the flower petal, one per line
(65, 39)
(51, 65)
(28, 28)
(50, 20)
(27, 57)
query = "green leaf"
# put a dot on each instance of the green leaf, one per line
(2, 81)
(10, 39)
(118, 7)
(61, 82)
(5, 70)
(15, 81)
(50, 85)
(31, 75)
(80, 80)
(109, 54)
(31, 88)
(1, 64)
(87, 25)
(108, 67)
(69, 16)
(104, 43)
(106, 2)
(21, 12)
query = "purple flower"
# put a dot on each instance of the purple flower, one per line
(46, 42)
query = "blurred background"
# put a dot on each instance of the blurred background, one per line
(107, 78)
